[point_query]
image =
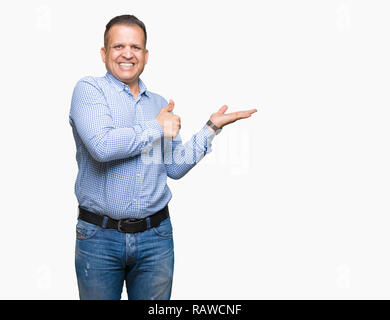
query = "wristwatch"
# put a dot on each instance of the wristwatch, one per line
(214, 127)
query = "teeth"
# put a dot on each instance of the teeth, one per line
(127, 64)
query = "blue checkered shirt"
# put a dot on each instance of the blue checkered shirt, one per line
(122, 155)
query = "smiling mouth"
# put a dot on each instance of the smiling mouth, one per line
(126, 65)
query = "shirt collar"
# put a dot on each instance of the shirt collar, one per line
(120, 86)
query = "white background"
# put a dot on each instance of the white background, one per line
(291, 203)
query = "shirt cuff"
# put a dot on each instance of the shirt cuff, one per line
(206, 136)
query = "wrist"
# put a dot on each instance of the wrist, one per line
(215, 129)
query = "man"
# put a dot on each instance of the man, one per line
(128, 142)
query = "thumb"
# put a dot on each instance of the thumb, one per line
(170, 106)
(223, 109)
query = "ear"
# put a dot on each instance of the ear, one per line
(146, 56)
(103, 54)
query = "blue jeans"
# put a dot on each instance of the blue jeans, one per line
(106, 258)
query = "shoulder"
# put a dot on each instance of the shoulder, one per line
(97, 82)
(91, 86)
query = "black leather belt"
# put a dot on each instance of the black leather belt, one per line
(129, 225)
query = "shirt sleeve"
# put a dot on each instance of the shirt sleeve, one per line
(180, 158)
(93, 121)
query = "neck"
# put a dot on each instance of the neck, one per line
(134, 88)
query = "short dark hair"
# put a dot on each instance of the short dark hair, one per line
(126, 19)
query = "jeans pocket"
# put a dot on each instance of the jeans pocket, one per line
(164, 229)
(85, 230)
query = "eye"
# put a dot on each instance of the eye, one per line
(118, 46)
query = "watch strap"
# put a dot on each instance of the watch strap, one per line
(214, 127)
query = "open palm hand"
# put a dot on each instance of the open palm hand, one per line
(221, 119)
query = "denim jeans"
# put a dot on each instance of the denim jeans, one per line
(106, 258)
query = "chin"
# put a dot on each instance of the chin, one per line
(125, 77)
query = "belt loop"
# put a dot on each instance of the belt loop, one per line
(104, 224)
(147, 223)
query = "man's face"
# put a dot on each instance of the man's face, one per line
(125, 56)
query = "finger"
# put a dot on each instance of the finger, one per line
(170, 106)
(249, 111)
(223, 109)
(246, 113)
(240, 115)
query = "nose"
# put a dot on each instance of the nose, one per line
(127, 53)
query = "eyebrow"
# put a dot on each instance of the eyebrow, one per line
(123, 44)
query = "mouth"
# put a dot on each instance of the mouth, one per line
(126, 66)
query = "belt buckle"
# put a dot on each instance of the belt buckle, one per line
(126, 221)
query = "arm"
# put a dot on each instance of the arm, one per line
(93, 121)
(179, 158)
(182, 158)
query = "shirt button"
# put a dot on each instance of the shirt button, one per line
(138, 175)
(135, 200)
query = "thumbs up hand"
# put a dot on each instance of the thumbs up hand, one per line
(169, 122)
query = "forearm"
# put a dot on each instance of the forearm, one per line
(120, 143)
(181, 158)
